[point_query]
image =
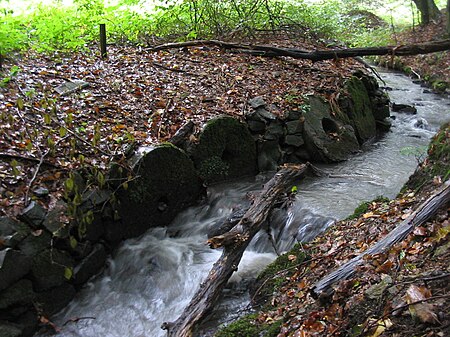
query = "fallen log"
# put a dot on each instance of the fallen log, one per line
(234, 244)
(323, 288)
(316, 55)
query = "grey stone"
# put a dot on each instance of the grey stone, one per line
(10, 330)
(7, 226)
(71, 87)
(34, 214)
(294, 115)
(20, 293)
(49, 267)
(41, 192)
(13, 266)
(95, 197)
(22, 231)
(253, 116)
(294, 127)
(96, 229)
(55, 299)
(404, 108)
(256, 126)
(35, 243)
(267, 115)
(294, 140)
(358, 107)
(276, 129)
(256, 102)
(56, 220)
(269, 155)
(326, 138)
(91, 265)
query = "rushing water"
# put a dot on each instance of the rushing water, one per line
(150, 279)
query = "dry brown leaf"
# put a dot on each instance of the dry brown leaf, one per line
(424, 311)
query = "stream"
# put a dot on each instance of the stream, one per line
(150, 279)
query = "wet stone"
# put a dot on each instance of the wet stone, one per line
(294, 140)
(35, 243)
(20, 293)
(266, 114)
(256, 102)
(33, 214)
(91, 265)
(55, 299)
(41, 192)
(256, 126)
(13, 266)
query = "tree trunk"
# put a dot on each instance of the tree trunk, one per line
(428, 10)
(234, 244)
(323, 288)
(448, 18)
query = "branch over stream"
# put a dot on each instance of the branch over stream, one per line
(316, 55)
(424, 212)
(234, 244)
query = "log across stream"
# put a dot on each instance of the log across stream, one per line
(151, 279)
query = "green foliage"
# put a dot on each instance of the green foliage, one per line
(363, 207)
(248, 326)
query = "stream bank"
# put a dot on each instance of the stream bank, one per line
(374, 301)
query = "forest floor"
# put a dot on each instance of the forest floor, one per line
(135, 96)
(143, 97)
(403, 292)
(432, 68)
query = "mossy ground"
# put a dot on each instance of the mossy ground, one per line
(437, 165)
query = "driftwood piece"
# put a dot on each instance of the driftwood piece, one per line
(424, 212)
(183, 134)
(317, 55)
(234, 244)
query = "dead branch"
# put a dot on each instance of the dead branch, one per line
(422, 214)
(316, 55)
(234, 244)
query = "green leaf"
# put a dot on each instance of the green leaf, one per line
(62, 131)
(20, 104)
(47, 119)
(294, 189)
(101, 179)
(69, 183)
(73, 242)
(68, 273)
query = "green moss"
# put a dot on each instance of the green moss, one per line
(248, 326)
(359, 109)
(271, 278)
(437, 163)
(440, 85)
(364, 207)
(225, 150)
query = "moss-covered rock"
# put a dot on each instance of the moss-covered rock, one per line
(248, 326)
(438, 162)
(327, 139)
(272, 276)
(225, 150)
(164, 183)
(358, 107)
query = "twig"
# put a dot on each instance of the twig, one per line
(76, 319)
(27, 158)
(169, 103)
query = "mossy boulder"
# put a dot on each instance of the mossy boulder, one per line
(357, 106)
(225, 150)
(327, 138)
(164, 182)
(437, 163)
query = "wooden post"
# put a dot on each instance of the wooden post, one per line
(103, 40)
